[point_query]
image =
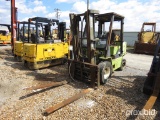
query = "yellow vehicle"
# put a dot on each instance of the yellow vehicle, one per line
(146, 39)
(5, 34)
(22, 38)
(44, 50)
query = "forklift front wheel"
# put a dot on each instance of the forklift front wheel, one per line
(105, 71)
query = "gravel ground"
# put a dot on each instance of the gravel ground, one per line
(112, 101)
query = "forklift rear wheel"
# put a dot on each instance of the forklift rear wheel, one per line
(122, 64)
(105, 71)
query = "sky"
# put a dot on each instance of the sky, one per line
(135, 11)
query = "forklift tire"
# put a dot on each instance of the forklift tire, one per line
(122, 64)
(105, 71)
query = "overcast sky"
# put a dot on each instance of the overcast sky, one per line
(135, 11)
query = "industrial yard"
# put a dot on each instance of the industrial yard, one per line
(79, 60)
(111, 101)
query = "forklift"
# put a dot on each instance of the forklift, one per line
(94, 57)
(22, 38)
(42, 50)
(5, 35)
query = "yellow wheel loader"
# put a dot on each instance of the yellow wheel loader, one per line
(146, 39)
(42, 49)
(5, 34)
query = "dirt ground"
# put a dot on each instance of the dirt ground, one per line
(111, 101)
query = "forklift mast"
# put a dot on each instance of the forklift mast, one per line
(88, 18)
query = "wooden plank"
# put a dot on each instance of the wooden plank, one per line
(66, 102)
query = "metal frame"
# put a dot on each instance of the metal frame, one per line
(47, 22)
(37, 21)
(111, 17)
(18, 31)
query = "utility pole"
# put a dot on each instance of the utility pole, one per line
(57, 13)
(87, 4)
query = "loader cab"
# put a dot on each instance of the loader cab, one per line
(148, 27)
(147, 39)
(148, 33)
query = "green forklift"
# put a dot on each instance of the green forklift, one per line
(96, 52)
